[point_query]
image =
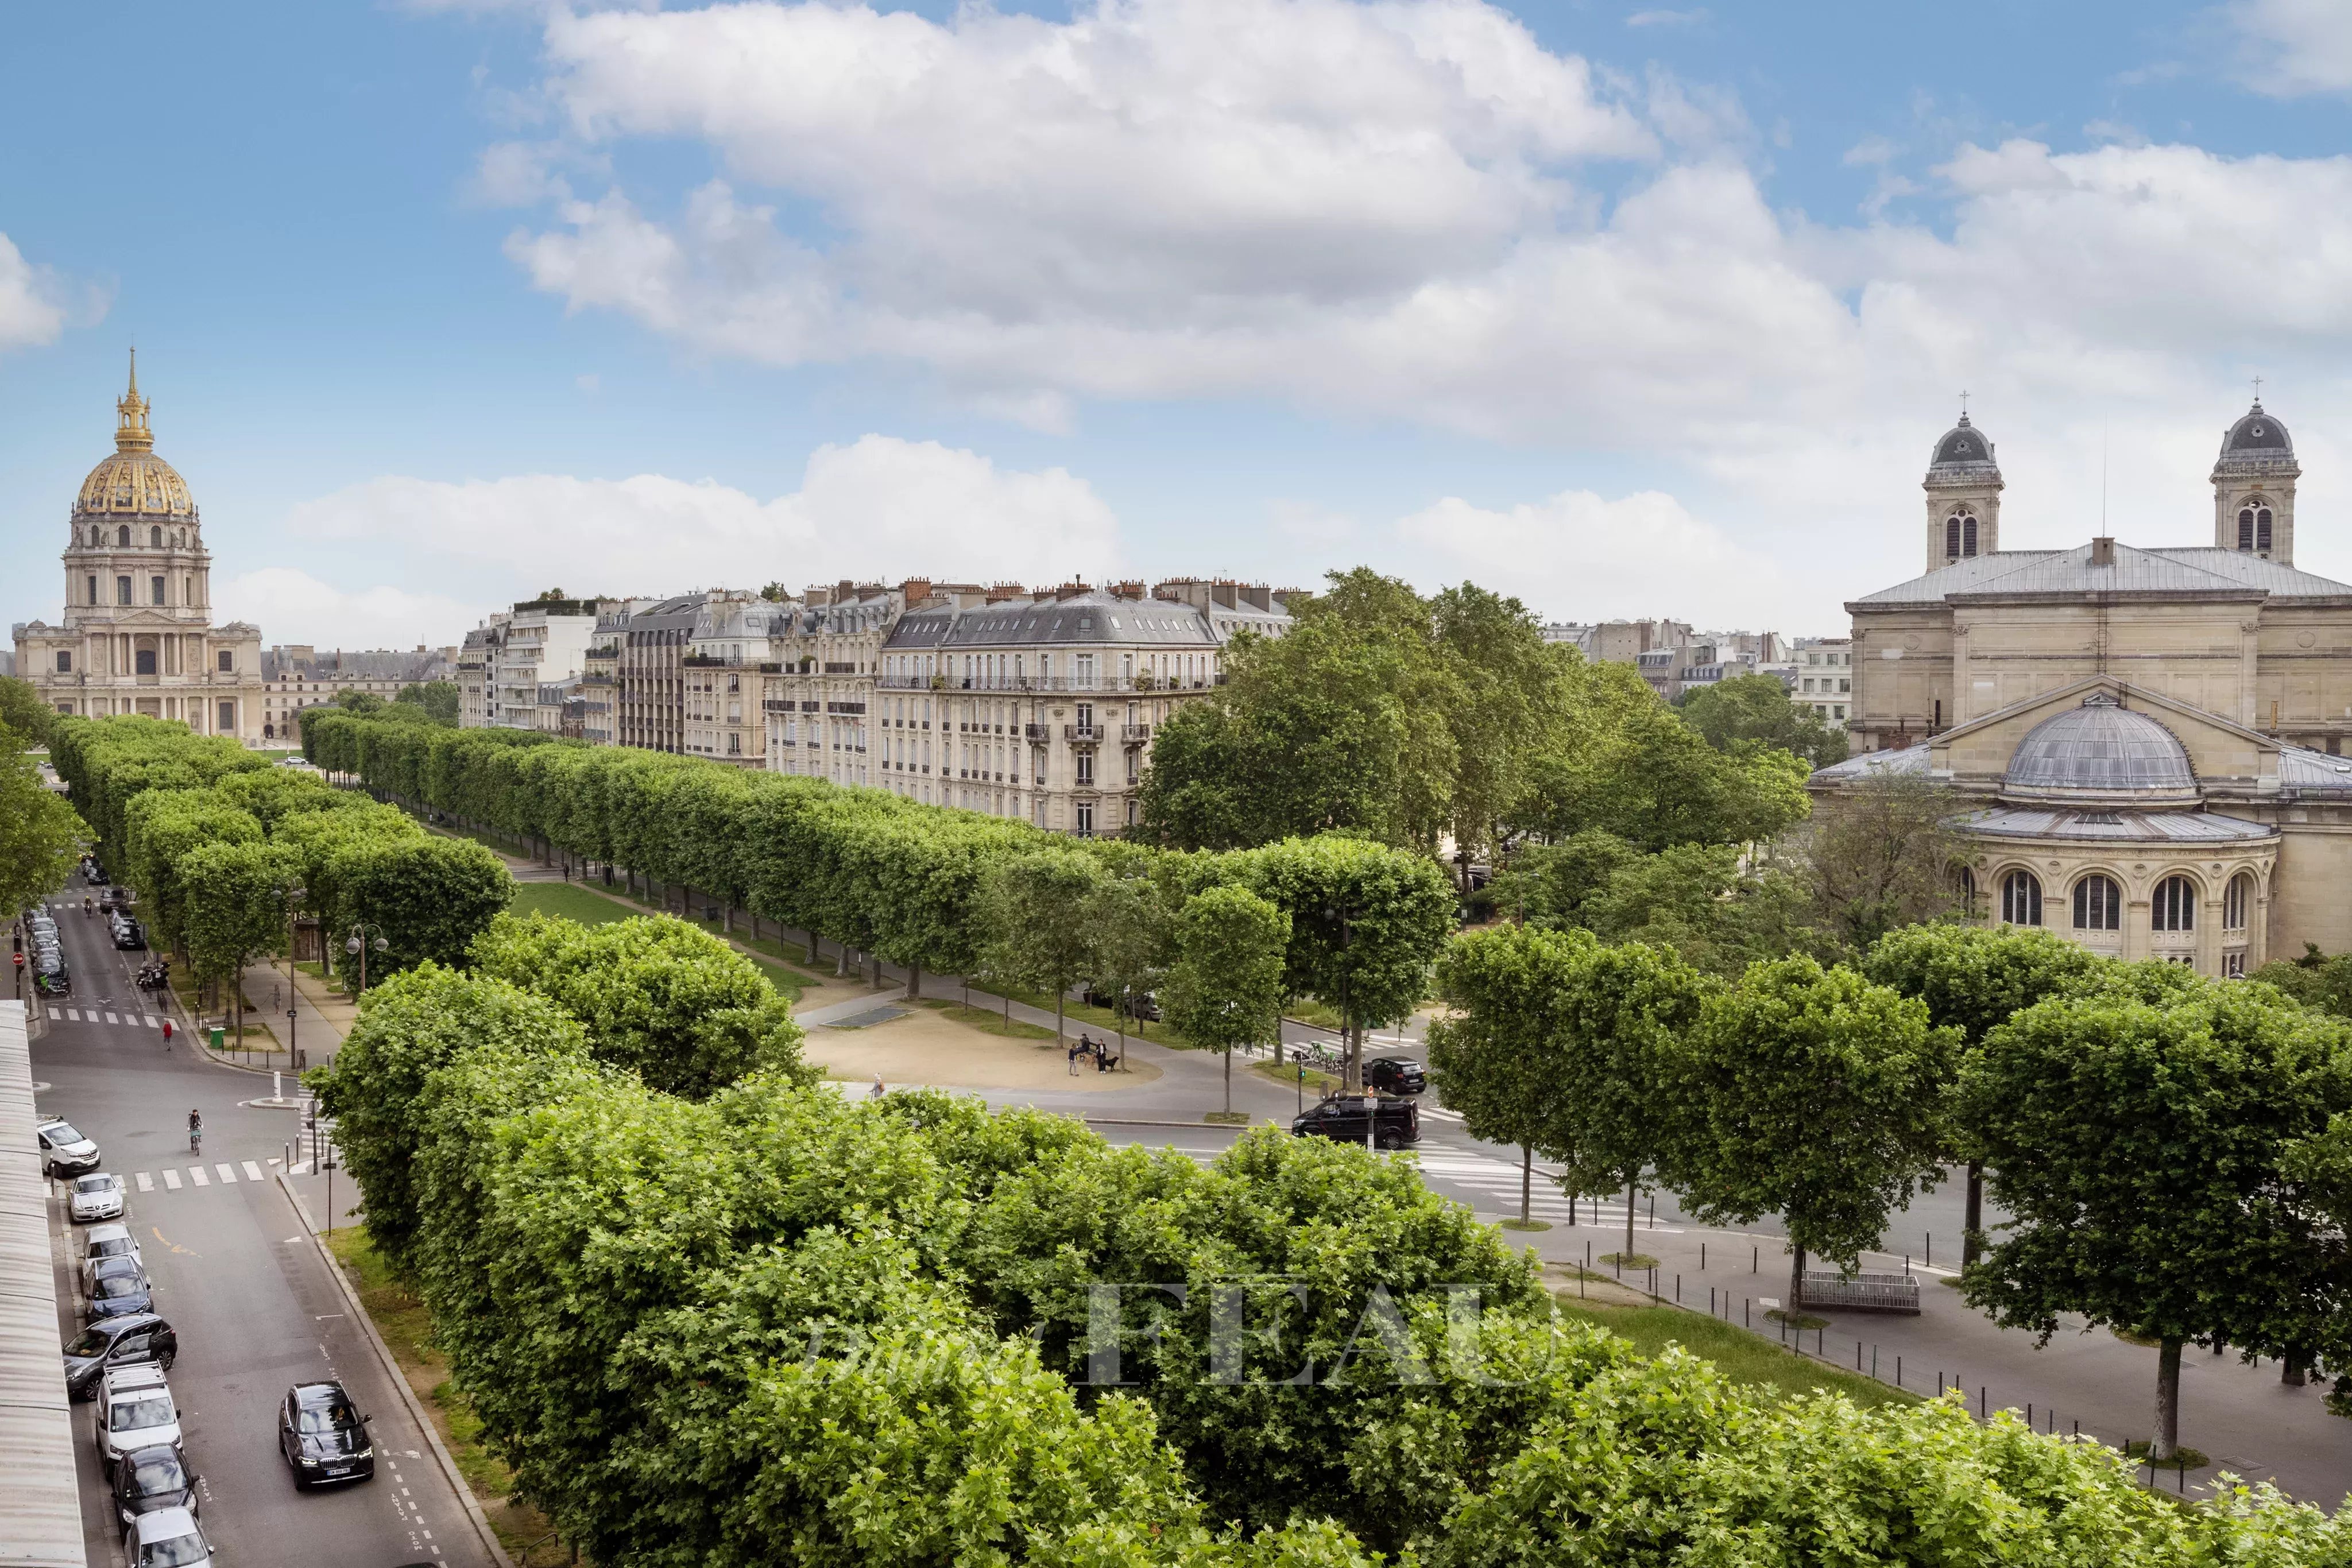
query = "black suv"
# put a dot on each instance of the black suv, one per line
(117, 1341)
(321, 1437)
(147, 1480)
(1350, 1118)
(128, 935)
(1396, 1075)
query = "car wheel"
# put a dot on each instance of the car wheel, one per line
(1388, 1141)
(166, 1359)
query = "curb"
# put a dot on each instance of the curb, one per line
(399, 1379)
(1196, 1126)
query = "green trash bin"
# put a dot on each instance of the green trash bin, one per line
(218, 1035)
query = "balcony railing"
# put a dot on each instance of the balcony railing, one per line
(1046, 684)
(1082, 733)
(1038, 734)
(1135, 734)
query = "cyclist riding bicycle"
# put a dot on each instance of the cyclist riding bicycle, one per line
(195, 1131)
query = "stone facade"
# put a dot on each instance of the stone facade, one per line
(137, 636)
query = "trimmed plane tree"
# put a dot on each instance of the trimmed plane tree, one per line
(1813, 1094)
(1224, 988)
(1493, 1056)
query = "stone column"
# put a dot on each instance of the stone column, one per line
(2209, 933)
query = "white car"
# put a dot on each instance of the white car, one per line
(167, 1538)
(135, 1410)
(98, 1196)
(64, 1150)
(108, 1241)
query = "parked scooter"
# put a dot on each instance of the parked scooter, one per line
(156, 975)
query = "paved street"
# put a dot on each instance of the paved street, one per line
(241, 1282)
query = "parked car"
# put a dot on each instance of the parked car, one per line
(1396, 1075)
(1139, 1004)
(100, 1243)
(128, 935)
(93, 873)
(98, 1196)
(150, 1481)
(117, 1341)
(52, 978)
(168, 1538)
(64, 1150)
(321, 1437)
(135, 1410)
(116, 899)
(118, 1286)
(1351, 1118)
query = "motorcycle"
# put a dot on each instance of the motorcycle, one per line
(154, 977)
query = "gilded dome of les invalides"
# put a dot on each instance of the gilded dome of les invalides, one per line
(134, 482)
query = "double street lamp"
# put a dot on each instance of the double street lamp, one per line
(360, 942)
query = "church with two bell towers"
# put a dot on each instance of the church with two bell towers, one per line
(138, 634)
(2150, 741)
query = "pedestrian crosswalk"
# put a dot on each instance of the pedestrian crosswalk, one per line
(101, 1015)
(224, 1173)
(1497, 1185)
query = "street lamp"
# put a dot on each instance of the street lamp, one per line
(295, 893)
(1352, 1076)
(358, 942)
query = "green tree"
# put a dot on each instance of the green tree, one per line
(1493, 1058)
(1509, 704)
(1881, 853)
(2143, 1151)
(439, 698)
(1719, 909)
(41, 837)
(234, 911)
(1973, 978)
(1034, 909)
(1224, 988)
(1129, 949)
(1813, 1094)
(352, 700)
(1754, 711)
(2315, 979)
(428, 897)
(24, 714)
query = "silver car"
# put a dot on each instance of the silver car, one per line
(167, 1538)
(135, 1410)
(98, 1196)
(101, 1241)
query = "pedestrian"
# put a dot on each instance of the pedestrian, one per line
(167, 1034)
(1074, 1060)
(877, 1092)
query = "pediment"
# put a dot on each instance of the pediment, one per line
(2220, 749)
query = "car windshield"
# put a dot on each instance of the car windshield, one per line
(116, 1286)
(157, 1477)
(90, 1342)
(111, 1247)
(62, 1133)
(94, 1184)
(137, 1415)
(179, 1552)
(334, 1418)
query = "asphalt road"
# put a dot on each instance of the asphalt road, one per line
(240, 1280)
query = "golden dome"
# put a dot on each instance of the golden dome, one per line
(134, 482)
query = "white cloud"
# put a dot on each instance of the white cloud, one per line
(1666, 18)
(1576, 556)
(879, 508)
(35, 302)
(2295, 46)
(292, 606)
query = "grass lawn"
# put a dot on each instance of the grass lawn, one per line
(570, 901)
(989, 1022)
(1743, 1357)
(1076, 1013)
(407, 1328)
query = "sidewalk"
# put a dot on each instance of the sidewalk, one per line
(2241, 1416)
(321, 1017)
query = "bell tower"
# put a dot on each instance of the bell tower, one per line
(2254, 489)
(1963, 487)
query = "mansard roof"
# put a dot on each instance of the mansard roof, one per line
(2192, 572)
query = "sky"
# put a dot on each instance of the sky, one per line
(1622, 310)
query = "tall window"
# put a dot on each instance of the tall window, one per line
(1967, 536)
(227, 662)
(65, 662)
(1085, 767)
(229, 719)
(2262, 530)
(2020, 899)
(1086, 819)
(1952, 539)
(155, 591)
(144, 662)
(93, 590)
(2235, 901)
(156, 537)
(122, 536)
(2098, 905)
(2246, 528)
(1965, 884)
(123, 590)
(2174, 908)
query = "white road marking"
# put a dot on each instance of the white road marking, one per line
(227, 1173)
(111, 1018)
(172, 1180)
(152, 1021)
(72, 1015)
(289, 1241)
(196, 1175)
(146, 1183)
(252, 1171)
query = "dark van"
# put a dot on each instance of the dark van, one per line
(1350, 1118)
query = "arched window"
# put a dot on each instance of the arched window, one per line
(122, 536)
(1965, 883)
(2262, 531)
(1952, 539)
(97, 535)
(156, 539)
(2175, 907)
(2020, 899)
(1967, 536)
(2098, 905)
(2238, 898)
(2246, 528)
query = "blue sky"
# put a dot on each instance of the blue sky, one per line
(1627, 310)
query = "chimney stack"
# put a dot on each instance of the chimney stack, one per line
(2103, 551)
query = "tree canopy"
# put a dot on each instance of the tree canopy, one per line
(1754, 712)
